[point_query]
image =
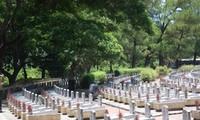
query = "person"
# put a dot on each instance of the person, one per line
(94, 90)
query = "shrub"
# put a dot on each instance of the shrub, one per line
(99, 76)
(187, 67)
(148, 74)
(162, 70)
(129, 71)
(86, 80)
(116, 73)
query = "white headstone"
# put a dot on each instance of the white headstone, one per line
(132, 107)
(83, 97)
(90, 98)
(53, 105)
(72, 94)
(92, 115)
(77, 96)
(165, 112)
(100, 100)
(147, 110)
(186, 115)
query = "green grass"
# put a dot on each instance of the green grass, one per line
(32, 74)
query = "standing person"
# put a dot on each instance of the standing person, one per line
(94, 90)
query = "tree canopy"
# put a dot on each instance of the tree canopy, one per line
(68, 38)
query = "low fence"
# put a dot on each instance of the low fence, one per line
(40, 83)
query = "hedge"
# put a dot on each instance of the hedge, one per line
(147, 74)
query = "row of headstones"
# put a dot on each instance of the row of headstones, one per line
(182, 80)
(196, 73)
(155, 89)
(66, 93)
(31, 97)
(131, 104)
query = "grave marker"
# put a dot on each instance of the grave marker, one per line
(53, 105)
(90, 98)
(186, 115)
(83, 97)
(92, 115)
(165, 112)
(147, 110)
(132, 106)
(77, 96)
(100, 100)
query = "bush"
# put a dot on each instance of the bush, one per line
(99, 76)
(162, 70)
(116, 73)
(148, 74)
(129, 71)
(187, 67)
(86, 80)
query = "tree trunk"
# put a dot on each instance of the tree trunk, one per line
(161, 59)
(147, 60)
(195, 57)
(133, 60)
(43, 72)
(25, 73)
(134, 57)
(111, 69)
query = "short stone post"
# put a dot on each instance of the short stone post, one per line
(77, 96)
(100, 100)
(124, 87)
(139, 96)
(120, 86)
(142, 89)
(90, 98)
(167, 92)
(33, 97)
(193, 89)
(46, 102)
(72, 94)
(83, 97)
(92, 115)
(186, 115)
(132, 106)
(177, 93)
(62, 92)
(165, 112)
(147, 97)
(65, 93)
(148, 89)
(80, 112)
(186, 94)
(36, 98)
(53, 105)
(147, 110)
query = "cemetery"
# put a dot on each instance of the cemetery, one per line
(177, 92)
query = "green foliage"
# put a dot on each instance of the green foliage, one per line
(187, 67)
(99, 76)
(162, 70)
(5, 81)
(148, 74)
(86, 80)
(129, 71)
